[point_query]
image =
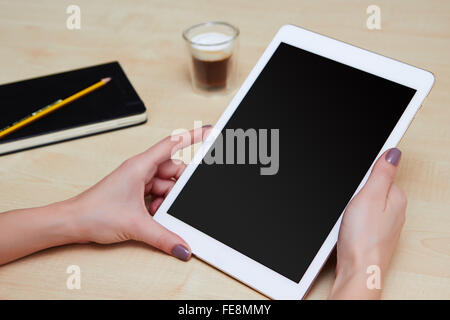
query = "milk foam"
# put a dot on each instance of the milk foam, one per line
(204, 47)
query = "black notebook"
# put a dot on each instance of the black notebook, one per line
(115, 105)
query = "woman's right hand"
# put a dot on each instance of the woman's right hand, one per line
(369, 231)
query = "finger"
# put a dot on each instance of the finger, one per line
(396, 202)
(154, 234)
(167, 147)
(155, 204)
(171, 169)
(383, 173)
(161, 187)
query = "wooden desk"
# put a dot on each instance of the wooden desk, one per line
(145, 36)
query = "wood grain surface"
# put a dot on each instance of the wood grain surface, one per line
(145, 37)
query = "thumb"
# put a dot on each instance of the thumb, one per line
(154, 234)
(383, 173)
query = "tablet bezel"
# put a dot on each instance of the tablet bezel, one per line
(241, 267)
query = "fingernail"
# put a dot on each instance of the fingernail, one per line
(207, 126)
(393, 156)
(181, 252)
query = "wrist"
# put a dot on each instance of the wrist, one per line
(69, 220)
(359, 277)
(25, 231)
(359, 262)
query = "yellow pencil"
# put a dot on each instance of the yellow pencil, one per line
(50, 108)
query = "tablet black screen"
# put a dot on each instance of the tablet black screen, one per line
(332, 121)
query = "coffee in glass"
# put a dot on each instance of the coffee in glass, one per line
(212, 55)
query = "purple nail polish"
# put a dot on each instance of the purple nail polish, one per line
(181, 252)
(393, 156)
(207, 126)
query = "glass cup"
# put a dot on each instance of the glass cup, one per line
(212, 48)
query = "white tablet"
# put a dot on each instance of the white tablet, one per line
(263, 198)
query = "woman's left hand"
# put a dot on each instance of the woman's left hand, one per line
(114, 209)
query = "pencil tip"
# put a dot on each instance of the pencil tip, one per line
(106, 80)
